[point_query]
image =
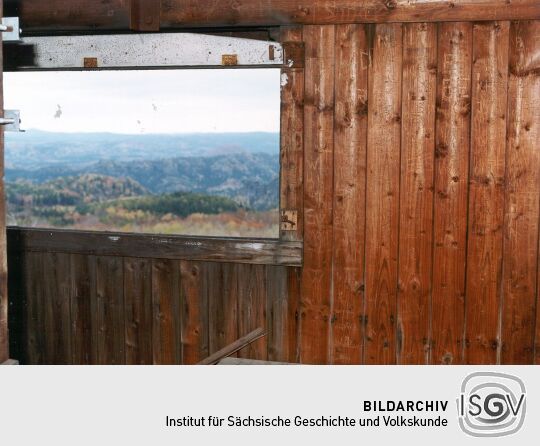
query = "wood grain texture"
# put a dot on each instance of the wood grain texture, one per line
(194, 307)
(138, 310)
(479, 255)
(38, 15)
(17, 308)
(280, 314)
(110, 322)
(33, 279)
(238, 250)
(522, 195)
(283, 309)
(292, 138)
(145, 15)
(382, 203)
(318, 192)
(416, 192)
(451, 192)
(166, 312)
(252, 309)
(294, 326)
(349, 197)
(319, 12)
(486, 196)
(221, 283)
(57, 312)
(83, 309)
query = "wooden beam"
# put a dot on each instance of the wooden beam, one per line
(58, 15)
(235, 250)
(234, 347)
(145, 15)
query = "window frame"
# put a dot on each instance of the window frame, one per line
(286, 250)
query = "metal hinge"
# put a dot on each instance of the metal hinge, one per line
(11, 121)
(289, 220)
(11, 32)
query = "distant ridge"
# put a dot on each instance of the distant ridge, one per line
(35, 148)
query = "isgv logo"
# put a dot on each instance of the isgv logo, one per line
(491, 404)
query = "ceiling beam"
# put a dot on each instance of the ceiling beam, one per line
(82, 15)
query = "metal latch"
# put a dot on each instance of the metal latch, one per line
(11, 121)
(10, 29)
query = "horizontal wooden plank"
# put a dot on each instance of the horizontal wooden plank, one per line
(58, 15)
(235, 250)
(145, 15)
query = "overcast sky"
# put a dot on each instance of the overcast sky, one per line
(174, 101)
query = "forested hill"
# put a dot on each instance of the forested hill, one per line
(250, 179)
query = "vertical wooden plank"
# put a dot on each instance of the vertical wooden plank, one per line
(486, 196)
(292, 137)
(416, 192)
(383, 166)
(138, 310)
(451, 192)
(194, 312)
(252, 308)
(18, 341)
(280, 314)
(222, 289)
(522, 197)
(57, 303)
(284, 341)
(110, 310)
(293, 327)
(349, 205)
(166, 331)
(35, 316)
(318, 193)
(83, 305)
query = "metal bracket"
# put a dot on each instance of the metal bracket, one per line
(10, 29)
(11, 121)
(289, 220)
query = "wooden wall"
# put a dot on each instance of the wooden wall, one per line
(419, 193)
(80, 309)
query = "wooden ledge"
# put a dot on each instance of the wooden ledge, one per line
(215, 249)
(53, 16)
